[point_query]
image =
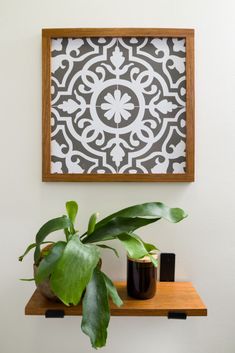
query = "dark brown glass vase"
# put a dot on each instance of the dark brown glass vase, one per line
(141, 278)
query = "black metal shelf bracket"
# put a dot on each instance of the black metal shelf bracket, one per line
(177, 315)
(52, 313)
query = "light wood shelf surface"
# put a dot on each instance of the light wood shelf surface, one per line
(171, 297)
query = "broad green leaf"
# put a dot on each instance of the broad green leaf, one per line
(103, 246)
(30, 247)
(74, 270)
(112, 291)
(149, 247)
(95, 310)
(52, 226)
(49, 262)
(92, 222)
(116, 227)
(49, 227)
(156, 210)
(144, 214)
(134, 247)
(72, 210)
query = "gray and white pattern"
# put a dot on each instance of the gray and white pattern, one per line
(118, 105)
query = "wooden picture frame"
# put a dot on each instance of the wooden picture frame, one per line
(161, 60)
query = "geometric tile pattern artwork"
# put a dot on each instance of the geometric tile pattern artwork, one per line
(118, 105)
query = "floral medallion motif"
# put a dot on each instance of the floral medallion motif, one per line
(118, 105)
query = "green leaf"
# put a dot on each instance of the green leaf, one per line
(95, 309)
(134, 247)
(149, 247)
(49, 262)
(103, 246)
(49, 227)
(154, 261)
(147, 210)
(27, 279)
(37, 254)
(72, 210)
(112, 291)
(116, 227)
(74, 270)
(67, 233)
(52, 226)
(30, 247)
(92, 222)
(134, 217)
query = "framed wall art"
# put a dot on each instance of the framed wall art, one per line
(118, 104)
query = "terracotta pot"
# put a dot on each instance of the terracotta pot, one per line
(45, 288)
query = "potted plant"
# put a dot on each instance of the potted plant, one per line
(72, 266)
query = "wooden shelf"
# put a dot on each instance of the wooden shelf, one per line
(171, 297)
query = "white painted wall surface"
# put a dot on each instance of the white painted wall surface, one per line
(204, 243)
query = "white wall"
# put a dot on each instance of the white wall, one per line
(204, 243)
